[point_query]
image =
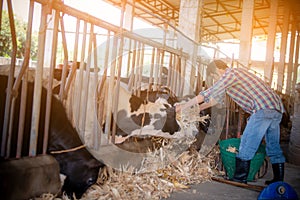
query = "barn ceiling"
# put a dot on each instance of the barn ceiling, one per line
(221, 19)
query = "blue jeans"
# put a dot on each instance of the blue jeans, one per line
(263, 123)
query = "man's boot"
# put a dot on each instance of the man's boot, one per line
(278, 173)
(242, 168)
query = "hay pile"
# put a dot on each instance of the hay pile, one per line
(151, 181)
(163, 171)
(188, 168)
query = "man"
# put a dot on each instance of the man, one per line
(259, 100)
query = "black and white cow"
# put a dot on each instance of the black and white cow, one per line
(152, 111)
(80, 167)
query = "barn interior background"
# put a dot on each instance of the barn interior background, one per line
(94, 62)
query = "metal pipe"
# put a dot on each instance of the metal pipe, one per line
(38, 83)
(169, 70)
(182, 75)
(23, 73)
(86, 81)
(119, 66)
(96, 128)
(22, 115)
(8, 100)
(151, 69)
(58, 5)
(11, 121)
(50, 81)
(110, 90)
(156, 68)
(80, 78)
(74, 64)
(136, 74)
(65, 68)
(1, 8)
(25, 63)
(132, 74)
(101, 90)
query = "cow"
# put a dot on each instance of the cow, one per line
(79, 166)
(151, 110)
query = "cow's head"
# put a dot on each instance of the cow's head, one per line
(151, 108)
(80, 176)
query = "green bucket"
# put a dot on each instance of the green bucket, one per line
(228, 158)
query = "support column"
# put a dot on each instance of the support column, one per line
(296, 64)
(291, 60)
(129, 17)
(283, 45)
(190, 18)
(190, 23)
(246, 32)
(268, 70)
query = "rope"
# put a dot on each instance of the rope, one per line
(68, 150)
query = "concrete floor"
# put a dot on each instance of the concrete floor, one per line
(220, 191)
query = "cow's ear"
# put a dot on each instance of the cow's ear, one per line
(135, 103)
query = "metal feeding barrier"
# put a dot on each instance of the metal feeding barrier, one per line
(89, 78)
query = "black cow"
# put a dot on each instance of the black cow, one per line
(80, 167)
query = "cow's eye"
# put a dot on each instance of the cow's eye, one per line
(91, 181)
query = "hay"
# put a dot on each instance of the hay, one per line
(163, 171)
(189, 168)
(156, 179)
(232, 149)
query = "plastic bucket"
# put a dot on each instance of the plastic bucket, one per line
(228, 158)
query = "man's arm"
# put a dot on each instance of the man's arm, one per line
(196, 100)
(209, 104)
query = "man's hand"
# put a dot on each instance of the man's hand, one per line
(182, 106)
(177, 108)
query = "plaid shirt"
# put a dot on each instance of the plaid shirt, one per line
(246, 89)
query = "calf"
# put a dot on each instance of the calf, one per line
(79, 166)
